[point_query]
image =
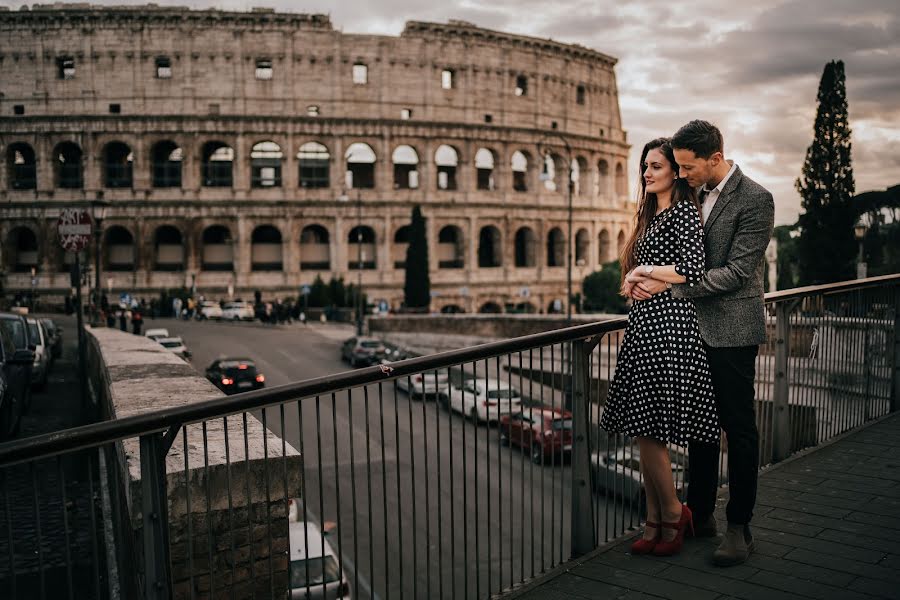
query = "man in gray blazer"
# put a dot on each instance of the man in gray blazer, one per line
(738, 218)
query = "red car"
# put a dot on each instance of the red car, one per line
(542, 431)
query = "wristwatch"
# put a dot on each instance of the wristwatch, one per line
(648, 269)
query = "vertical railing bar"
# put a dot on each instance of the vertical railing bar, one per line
(230, 501)
(543, 471)
(477, 496)
(287, 494)
(487, 468)
(452, 451)
(209, 524)
(553, 561)
(500, 476)
(531, 480)
(387, 553)
(9, 532)
(351, 428)
(523, 452)
(465, 478)
(510, 459)
(62, 488)
(399, 504)
(371, 510)
(37, 521)
(437, 454)
(95, 551)
(249, 501)
(265, 436)
(426, 469)
(319, 458)
(337, 485)
(187, 503)
(814, 366)
(412, 462)
(822, 378)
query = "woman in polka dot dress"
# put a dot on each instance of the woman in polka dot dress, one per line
(662, 391)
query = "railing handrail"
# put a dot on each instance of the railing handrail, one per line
(97, 434)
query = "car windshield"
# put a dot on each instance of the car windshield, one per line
(34, 332)
(562, 424)
(314, 571)
(14, 326)
(370, 344)
(233, 368)
(502, 394)
(171, 343)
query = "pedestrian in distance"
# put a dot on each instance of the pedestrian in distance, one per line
(738, 220)
(137, 320)
(123, 320)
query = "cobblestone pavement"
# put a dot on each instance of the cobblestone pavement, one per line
(826, 526)
(50, 511)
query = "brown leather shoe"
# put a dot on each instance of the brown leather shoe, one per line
(735, 548)
(705, 527)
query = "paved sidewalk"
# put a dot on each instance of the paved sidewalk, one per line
(827, 525)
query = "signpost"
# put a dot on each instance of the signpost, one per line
(74, 228)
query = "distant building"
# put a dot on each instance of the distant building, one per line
(243, 150)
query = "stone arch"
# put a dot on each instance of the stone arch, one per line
(582, 247)
(168, 249)
(580, 176)
(362, 248)
(451, 248)
(315, 248)
(621, 183)
(401, 243)
(485, 163)
(603, 178)
(119, 249)
(556, 248)
(266, 249)
(265, 166)
(21, 166)
(21, 249)
(603, 247)
(446, 158)
(166, 160)
(620, 243)
(452, 309)
(314, 163)
(526, 247)
(360, 166)
(491, 307)
(68, 167)
(553, 172)
(118, 165)
(217, 164)
(218, 249)
(406, 167)
(520, 163)
(490, 249)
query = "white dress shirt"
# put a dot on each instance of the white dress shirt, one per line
(713, 194)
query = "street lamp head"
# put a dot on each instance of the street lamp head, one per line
(99, 208)
(859, 230)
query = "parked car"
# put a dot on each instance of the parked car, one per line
(422, 385)
(175, 345)
(157, 333)
(618, 474)
(15, 381)
(209, 310)
(234, 375)
(482, 400)
(543, 432)
(393, 353)
(314, 566)
(55, 332)
(17, 326)
(237, 311)
(363, 351)
(41, 369)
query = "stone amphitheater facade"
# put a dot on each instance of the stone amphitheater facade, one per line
(257, 150)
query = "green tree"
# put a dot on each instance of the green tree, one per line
(417, 285)
(601, 290)
(787, 256)
(826, 247)
(318, 294)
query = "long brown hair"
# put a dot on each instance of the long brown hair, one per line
(647, 205)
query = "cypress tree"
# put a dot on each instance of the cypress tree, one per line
(417, 285)
(826, 246)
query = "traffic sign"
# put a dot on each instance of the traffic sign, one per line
(74, 228)
(305, 289)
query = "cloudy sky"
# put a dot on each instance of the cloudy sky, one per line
(751, 67)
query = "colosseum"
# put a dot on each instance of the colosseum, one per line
(242, 151)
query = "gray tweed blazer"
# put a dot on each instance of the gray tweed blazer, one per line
(729, 298)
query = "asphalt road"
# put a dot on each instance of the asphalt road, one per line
(426, 503)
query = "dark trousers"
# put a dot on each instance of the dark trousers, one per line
(733, 371)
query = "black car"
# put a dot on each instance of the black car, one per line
(15, 380)
(235, 375)
(55, 332)
(17, 327)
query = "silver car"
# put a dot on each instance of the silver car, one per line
(41, 368)
(314, 568)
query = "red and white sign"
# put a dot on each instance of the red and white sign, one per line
(74, 227)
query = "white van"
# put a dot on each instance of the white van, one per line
(237, 311)
(315, 570)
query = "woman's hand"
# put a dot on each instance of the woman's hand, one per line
(635, 276)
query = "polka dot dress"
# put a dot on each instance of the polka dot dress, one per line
(662, 386)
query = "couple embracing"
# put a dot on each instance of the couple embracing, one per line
(694, 269)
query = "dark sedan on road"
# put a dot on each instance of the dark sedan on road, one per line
(17, 326)
(55, 332)
(235, 375)
(15, 381)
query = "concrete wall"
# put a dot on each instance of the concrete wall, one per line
(220, 496)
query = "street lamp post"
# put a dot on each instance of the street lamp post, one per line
(98, 208)
(859, 231)
(543, 151)
(359, 254)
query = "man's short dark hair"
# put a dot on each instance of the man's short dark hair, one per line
(700, 137)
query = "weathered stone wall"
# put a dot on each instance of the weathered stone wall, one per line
(226, 504)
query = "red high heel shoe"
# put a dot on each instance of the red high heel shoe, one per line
(685, 523)
(644, 546)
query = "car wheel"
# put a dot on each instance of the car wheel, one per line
(537, 454)
(473, 414)
(504, 441)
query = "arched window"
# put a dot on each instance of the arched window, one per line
(401, 243)
(118, 165)
(406, 164)
(21, 249)
(265, 249)
(525, 247)
(553, 173)
(490, 252)
(265, 165)
(218, 250)
(360, 166)
(447, 159)
(603, 178)
(579, 94)
(119, 246)
(361, 249)
(580, 176)
(484, 166)
(165, 164)
(582, 244)
(450, 249)
(315, 253)
(67, 166)
(490, 307)
(21, 167)
(603, 244)
(169, 249)
(620, 243)
(218, 165)
(621, 184)
(519, 164)
(314, 164)
(556, 248)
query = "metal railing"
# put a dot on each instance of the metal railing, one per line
(196, 501)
